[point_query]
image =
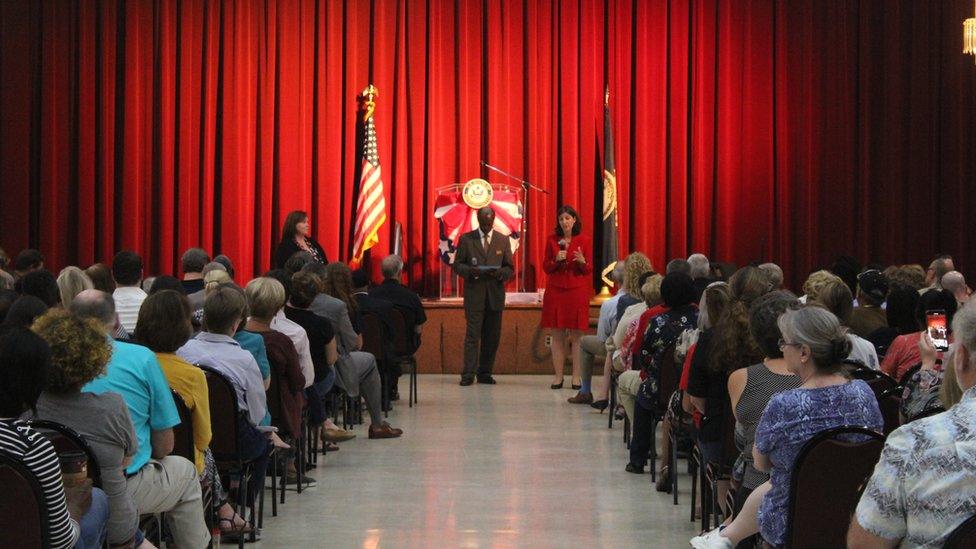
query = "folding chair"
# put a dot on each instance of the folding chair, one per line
(24, 517)
(963, 536)
(404, 346)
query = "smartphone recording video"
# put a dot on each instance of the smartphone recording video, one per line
(935, 323)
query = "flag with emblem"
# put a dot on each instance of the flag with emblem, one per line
(371, 205)
(609, 259)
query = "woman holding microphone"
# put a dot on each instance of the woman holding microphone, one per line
(565, 306)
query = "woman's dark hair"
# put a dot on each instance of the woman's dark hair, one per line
(164, 322)
(166, 282)
(304, 287)
(23, 311)
(933, 300)
(338, 284)
(289, 228)
(678, 290)
(41, 284)
(26, 360)
(577, 227)
(900, 310)
(836, 297)
(7, 298)
(297, 261)
(101, 277)
(763, 314)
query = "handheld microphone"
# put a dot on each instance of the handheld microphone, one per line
(563, 244)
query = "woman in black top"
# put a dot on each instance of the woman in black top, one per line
(296, 236)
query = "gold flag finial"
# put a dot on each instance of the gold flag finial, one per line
(365, 99)
(606, 97)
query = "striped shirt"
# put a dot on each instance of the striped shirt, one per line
(35, 451)
(924, 485)
(761, 385)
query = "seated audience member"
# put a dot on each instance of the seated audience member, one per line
(938, 268)
(846, 268)
(265, 298)
(7, 298)
(774, 274)
(903, 354)
(77, 516)
(750, 389)
(912, 276)
(592, 346)
(23, 311)
(212, 273)
(216, 349)
(713, 303)
(727, 347)
(297, 261)
(900, 317)
(635, 266)
(71, 282)
(836, 297)
(79, 353)
(164, 326)
(661, 334)
(635, 322)
(955, 283)
(403, 298)
(42, 285)
(924, 485)
(304, 287)
(700, 273)
(27, 261)
(297, 335)
(868, 316)
(101, 277)
(357, 370)
(383, 310)
(128, 295)
(678, 265)
(157, 481)
(165, 282)
(815, 283)
(814, 345)
(227, 263)
(192, 263)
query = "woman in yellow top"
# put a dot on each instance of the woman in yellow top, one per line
(164, 326)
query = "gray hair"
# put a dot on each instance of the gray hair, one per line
(954, 281)
(678, 266)
(699, 266)
(94, 304)
(391, 267)
(820, 330)
(774, 273)
(194, 260)
(617, 274)
(212, 266)
(964, 329)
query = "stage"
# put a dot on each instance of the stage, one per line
(522, 349)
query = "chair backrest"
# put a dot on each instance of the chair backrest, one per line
(373, 336)
(183, 433)
(403, 338)
(669, 378)
(964, 536)
(24, 517)
(928, 412)
(889, 402)
(223, 416)
(881, 384)
(66, 440)
(826, 484)
(273, 397)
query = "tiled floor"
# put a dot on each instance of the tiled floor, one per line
(509, 465)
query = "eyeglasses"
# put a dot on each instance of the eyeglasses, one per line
(783, 343)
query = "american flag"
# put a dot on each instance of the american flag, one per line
(371, 206)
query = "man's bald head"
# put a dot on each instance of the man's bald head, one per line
(954, 281)
(95, 304)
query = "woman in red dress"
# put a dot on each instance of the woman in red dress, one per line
(566, 304)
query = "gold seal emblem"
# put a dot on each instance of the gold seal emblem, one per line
(477, 193)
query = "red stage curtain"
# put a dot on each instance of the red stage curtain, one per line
(746, 129)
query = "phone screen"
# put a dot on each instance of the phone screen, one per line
(938, 330)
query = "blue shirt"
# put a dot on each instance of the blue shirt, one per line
(608, 311)
(791, 419)
(254, 344)
(134, 373)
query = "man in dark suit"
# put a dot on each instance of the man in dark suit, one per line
(484, 260)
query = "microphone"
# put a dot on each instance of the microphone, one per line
(563, 244)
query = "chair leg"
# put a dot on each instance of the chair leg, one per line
(673, 464)
(653, 452)
(413, 383)
(274, 484)
(612, 406)
(282, 468)
(694, 488)
(242, 504)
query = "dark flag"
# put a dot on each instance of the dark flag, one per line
(609, 259)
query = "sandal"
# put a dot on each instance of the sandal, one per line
(234, 529)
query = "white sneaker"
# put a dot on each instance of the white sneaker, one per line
(712, 540)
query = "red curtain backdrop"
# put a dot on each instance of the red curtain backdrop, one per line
(745, 129)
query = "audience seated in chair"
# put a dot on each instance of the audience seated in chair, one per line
(836, 297)
(128, 294)
(73, 522)
(872, 291)
(902, 355)
(157, 481)
(924, 485)
(593, 346)
(814, 345)
(164, 326)
(299, 338)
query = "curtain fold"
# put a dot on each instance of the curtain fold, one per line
(747, 130)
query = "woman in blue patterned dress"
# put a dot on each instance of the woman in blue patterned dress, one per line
(813, 344)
